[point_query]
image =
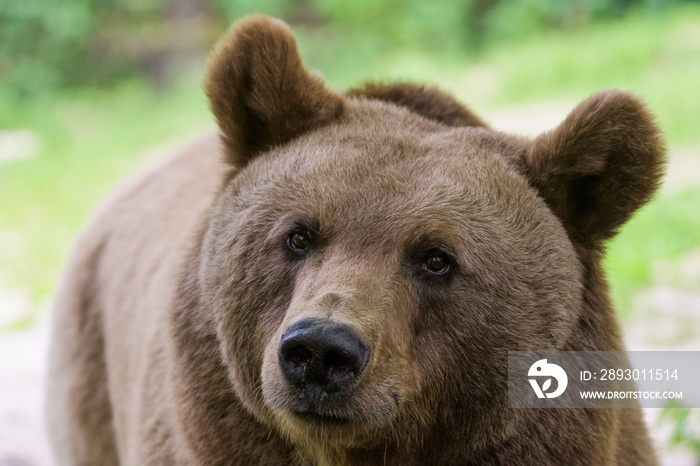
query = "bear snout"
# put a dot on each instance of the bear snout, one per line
(319, 358)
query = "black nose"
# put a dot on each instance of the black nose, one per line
(321, 358)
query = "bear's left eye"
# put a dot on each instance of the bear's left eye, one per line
(437, 264)
(299, 241)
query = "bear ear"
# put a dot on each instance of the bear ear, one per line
(429, 102)
(599, 166)
(260, 92)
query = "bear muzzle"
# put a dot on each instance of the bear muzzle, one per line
(319, 358)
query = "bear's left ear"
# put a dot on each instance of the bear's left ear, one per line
(260, 92)
(599, 166)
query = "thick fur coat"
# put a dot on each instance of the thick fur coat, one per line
(391, 211)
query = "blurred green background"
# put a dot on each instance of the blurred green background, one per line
(91, 90)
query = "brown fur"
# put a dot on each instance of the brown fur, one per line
(169, 319)
(430, 102)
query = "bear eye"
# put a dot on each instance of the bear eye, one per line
(437, 264)
(298, 241)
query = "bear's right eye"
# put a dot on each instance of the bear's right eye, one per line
(299, 241)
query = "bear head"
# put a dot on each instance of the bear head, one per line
(374, 255)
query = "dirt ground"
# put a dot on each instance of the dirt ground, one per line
(23, 440)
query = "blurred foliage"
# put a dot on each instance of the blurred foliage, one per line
(46, 44)
(685, 425)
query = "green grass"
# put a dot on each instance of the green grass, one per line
(90, 139)
(661, 233)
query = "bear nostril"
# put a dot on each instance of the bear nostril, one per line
(299, 355)
(337, 362)
(321, 358)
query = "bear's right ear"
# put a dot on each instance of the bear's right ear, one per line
(260, 92)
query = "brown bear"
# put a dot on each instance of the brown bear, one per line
(338, 278)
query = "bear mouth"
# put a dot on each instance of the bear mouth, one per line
(317, 418)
